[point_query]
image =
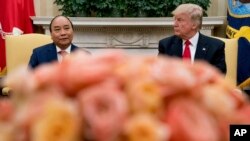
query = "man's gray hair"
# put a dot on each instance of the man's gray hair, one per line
(195, 12)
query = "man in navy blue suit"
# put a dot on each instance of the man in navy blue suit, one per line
(187, 24)
(61, 30)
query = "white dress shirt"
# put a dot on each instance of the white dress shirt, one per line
(59, 56)
(192, 46)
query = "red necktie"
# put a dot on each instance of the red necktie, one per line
(187, 53)
(63, 53)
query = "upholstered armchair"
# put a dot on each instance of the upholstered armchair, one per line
(19, 49)
(231, 54)
(244, 55)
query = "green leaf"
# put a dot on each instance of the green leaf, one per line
(125, 8)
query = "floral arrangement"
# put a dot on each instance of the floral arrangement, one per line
(118, 97)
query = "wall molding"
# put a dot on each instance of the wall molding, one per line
(94, 33)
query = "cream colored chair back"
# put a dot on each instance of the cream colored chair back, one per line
(19, 48)
(231, 54)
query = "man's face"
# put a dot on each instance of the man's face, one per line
(61, 32)
(184, 27)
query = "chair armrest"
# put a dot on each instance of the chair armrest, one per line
(244, 84)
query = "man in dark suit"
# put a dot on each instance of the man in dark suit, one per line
(189, 43)
(61, 30)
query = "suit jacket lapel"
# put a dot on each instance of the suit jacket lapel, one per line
(177, 47)
(202, 48)
(52, 53)
(73, 47)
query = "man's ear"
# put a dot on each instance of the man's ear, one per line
(195, 26)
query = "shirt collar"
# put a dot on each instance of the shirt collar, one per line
(68, 49)
(193, 40)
